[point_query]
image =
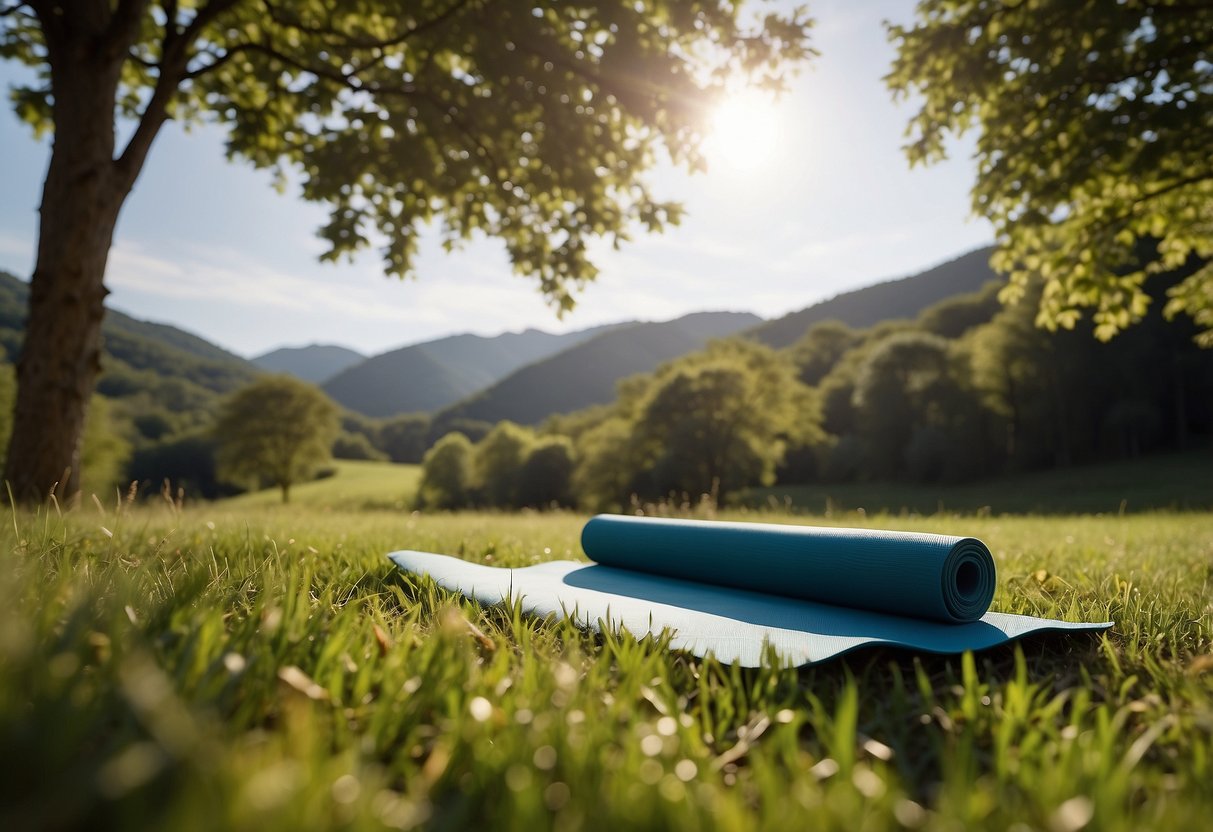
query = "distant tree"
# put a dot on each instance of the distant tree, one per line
(105, 450)
(498, 463)
(608, 464)
(446, 473)
(836, 392)
(405, 438)
(356, 446)
(706, 437)
(908, 398)
(721, 420)
(1094, 125)
(154, 424)
(367, 428)
(546, 478)
(821, 348)
(532, 122)
(186, 462)
(442, 424)
(959, 314)
(277, 430)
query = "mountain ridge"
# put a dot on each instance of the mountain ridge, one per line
(440, 372)
(898, 297)
(133, 346)
(587, 374)
(311, 362)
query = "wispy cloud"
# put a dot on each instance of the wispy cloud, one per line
(237, 279)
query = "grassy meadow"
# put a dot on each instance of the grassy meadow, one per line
(230, 666)
(352, 485)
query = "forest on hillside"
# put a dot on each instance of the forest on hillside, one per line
(970, 389)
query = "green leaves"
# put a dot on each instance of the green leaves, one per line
(277, 431)
(1093, 122)
(532, 123)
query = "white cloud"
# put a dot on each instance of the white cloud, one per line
(237, 280)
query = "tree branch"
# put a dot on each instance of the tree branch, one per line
(341, 39)
(173, 59)
(51, 24)
(1104, 225)
(350, 41)
(124, 24)
(14, 9)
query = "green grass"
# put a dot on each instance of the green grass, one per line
(231, 667)
(355, 484)
(1181, 481)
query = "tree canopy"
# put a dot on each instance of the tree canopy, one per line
(533, 122)
(277, 430)
(1094, 123)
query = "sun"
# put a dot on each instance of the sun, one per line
(744, 131)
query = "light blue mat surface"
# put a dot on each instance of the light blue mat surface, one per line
(757, 585)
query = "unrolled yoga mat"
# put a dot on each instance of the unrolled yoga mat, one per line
(732, 589)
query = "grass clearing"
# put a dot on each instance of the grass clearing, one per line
(224, 667)
(355, 484)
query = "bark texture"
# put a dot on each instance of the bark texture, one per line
(82, 195)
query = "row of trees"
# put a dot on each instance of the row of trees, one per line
(511, 467)
(275, 431)
(970, 389)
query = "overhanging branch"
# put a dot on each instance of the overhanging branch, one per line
(171, 72)
(349, 41)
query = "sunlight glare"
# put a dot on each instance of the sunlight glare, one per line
(744, 131)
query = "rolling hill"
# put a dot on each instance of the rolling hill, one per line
(435, 374)
(316, 363)
(586, 374)
(170, 364)
(902, 298)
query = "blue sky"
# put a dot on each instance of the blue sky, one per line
(210, 246)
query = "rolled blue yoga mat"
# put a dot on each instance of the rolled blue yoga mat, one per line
(929, 576)
(747, 592)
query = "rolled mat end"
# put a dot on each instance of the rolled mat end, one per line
(968, 580)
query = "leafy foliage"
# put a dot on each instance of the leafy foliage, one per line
(185, 462)
(532, 123)
(1094, 123)
(404, 438)
(355, 446)
(546, 477)
(447, 472)
(709, 423)
(586, 374)
(498, 463)
(277, 430)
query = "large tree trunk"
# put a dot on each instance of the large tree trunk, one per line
(60, 359)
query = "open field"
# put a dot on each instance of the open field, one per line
(230, 667)
(355, 484)
(1179, 481)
